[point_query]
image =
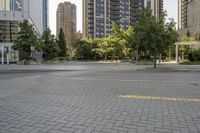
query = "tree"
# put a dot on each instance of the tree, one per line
(26, 38)
(116, 41)
(128, 41)
(103, 48)
(85, 48)
(153, 35)
(62, 44)
(49, 45)
(171, 35)
(197, 36)
(114, 45)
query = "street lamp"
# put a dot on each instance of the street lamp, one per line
(197, 21)
(198, 40)
(7, 52)
(32, 51)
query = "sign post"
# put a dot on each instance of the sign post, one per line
(2, 54)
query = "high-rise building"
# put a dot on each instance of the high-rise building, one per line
(155, 5)
(182, 14)
(38, 14)
(193, 23)
(98, 15)
(188, 17)
(66, 19)
(14, 11)
(86, 15)
(135, 6)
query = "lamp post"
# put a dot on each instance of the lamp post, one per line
(32, 52)
(8, 55)
(198, 40)
(197, 21)
(2, 54)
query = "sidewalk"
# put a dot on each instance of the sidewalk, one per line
(99, 66)
(174, 67)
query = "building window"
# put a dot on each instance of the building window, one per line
(17, 5)
(11, 5)
(8, 31)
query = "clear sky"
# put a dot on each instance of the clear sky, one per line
(172, 9)
(53, 4)
(169, 5)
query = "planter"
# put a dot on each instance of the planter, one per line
(144, 63)
(27, 62)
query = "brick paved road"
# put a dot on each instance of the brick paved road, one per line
(86, 100)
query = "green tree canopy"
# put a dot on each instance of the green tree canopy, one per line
(154, 35)
(150, 36)
(62, 44)
(116, 45)
(85, 48)
(26, 38)
(171, 35)
(49, 44)
(116, 41)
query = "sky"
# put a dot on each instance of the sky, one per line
(53, 4)
(169, 5)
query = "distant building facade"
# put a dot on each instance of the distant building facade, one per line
(78, 35)
(188, 18)
(66, 19)
(98, 15)
(182, 14)
(193, 23)
(14, 11)
(155, 5)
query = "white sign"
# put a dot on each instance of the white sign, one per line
(32, 48)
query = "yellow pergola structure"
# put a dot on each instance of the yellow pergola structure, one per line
(188, 43)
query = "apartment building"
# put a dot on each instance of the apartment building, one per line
(182, 13)
(66, 19)
(98, 15)
(188, 17)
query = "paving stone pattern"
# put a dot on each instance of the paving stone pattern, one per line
(89, 102)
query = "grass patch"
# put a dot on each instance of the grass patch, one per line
(190, 63)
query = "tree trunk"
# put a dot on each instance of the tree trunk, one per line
(170, 53)
(160, 58)
(105, 57)
(155, 62)
(137, 56)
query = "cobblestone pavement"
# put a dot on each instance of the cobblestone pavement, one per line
(99, 99)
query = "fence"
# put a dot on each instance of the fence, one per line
(35, 55)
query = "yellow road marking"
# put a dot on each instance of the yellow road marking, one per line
(158, 98)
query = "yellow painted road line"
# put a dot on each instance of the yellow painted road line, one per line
(158, 98)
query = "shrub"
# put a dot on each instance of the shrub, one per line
(194, 55)
(190, 56)
(61, 58)
(147, 57)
